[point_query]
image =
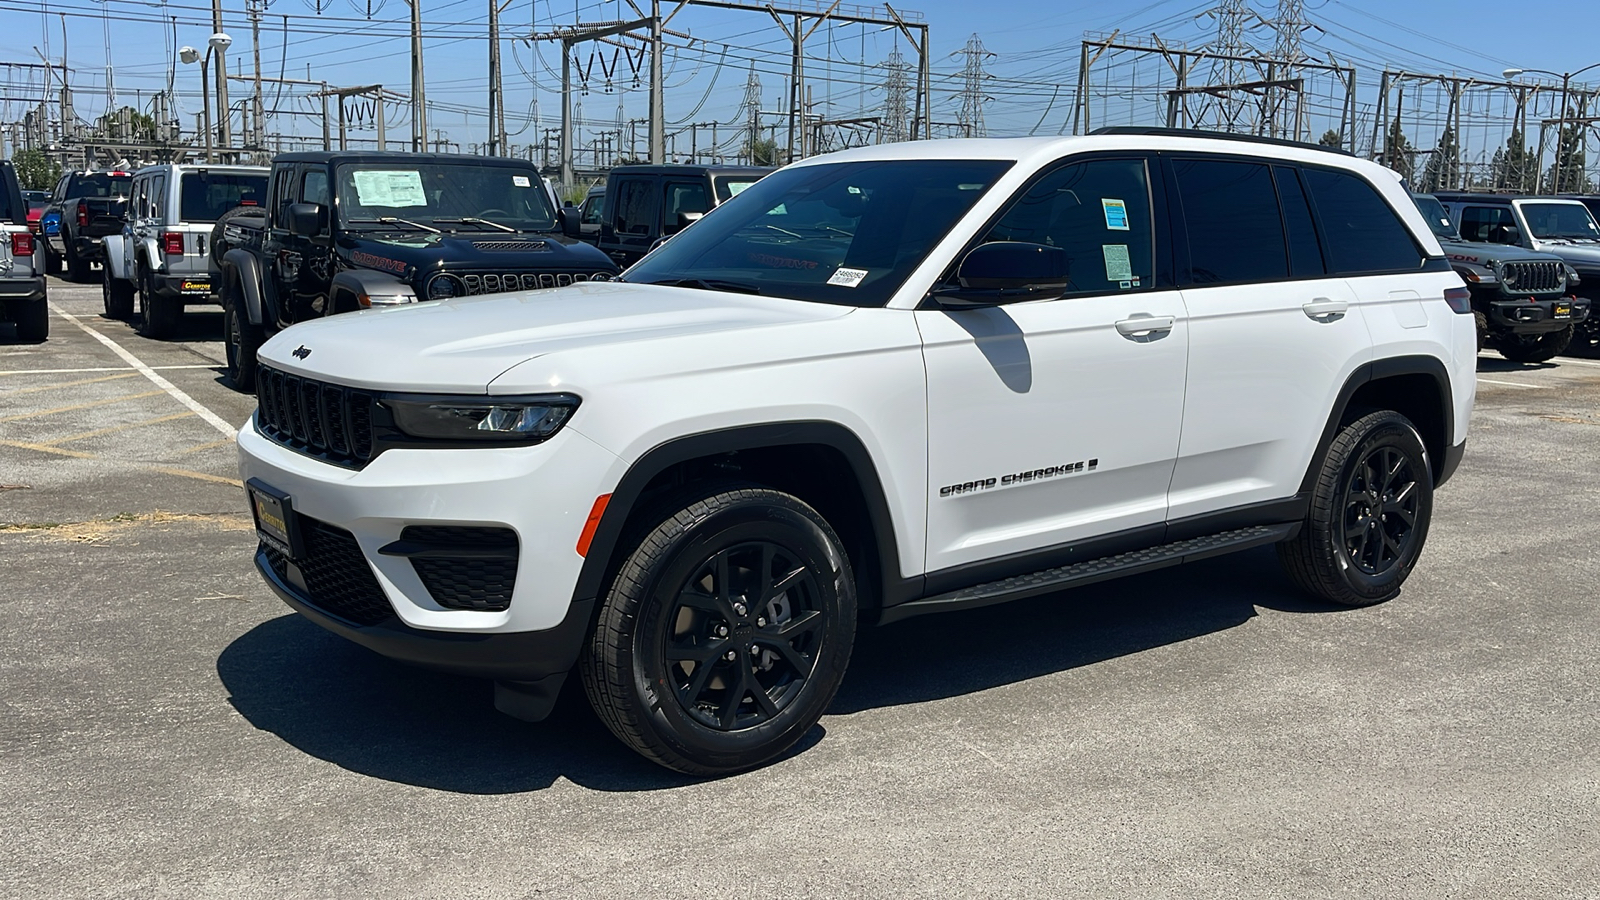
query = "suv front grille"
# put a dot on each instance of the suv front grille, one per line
(495, 282)
(337, 576)
(327, 421)
(1534, 277)
(479, 576)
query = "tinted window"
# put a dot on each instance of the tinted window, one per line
(1099, 212)
(206, 196)
(731, 185)
(594, 209)
(101, 184)
(1235, 230)
(1486, 223)
(684, 197)
(1364, 234)
(282, 195)
(1438, 220)
(1305, 251)
(636, 208)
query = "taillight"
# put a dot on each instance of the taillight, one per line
(172, 243)
(22, 245)
(1460, 299)
(83, 216)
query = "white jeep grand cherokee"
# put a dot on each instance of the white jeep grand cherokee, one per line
(879, 383)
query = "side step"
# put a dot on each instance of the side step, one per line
(1091, 571)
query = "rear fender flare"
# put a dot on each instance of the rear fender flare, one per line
(112, 246)
(1377, 370)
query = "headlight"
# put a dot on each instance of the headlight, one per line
(480, 419)
(1572, 275)
(443, 287)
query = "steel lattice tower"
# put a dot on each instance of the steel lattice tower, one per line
(972, 74)
(752, 111)
(896, 108)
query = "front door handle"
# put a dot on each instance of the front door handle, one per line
(1144, 325)
(1324, 310)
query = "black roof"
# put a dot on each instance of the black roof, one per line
(1214, 135)
(686, 169)
(1475, 197)
(329, 156)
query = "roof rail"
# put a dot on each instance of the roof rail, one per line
(1215, 135)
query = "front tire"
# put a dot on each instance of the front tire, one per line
(1586, 335)
(1369, 514)
(1531, 348)
(242, 340)
(725, 634)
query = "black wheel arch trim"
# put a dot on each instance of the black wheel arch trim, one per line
(259, 301)
(626, 496)
(1377, 370)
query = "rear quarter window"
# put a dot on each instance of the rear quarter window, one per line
(1364, 234)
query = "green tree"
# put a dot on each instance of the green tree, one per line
(1513, 167)
(1567, 174)
(762, 152)
(1331, 138)
(36, 170)
(1399, 154)
(125, 124)
(1443, 171)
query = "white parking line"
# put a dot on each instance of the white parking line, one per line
(102, 369)
(1577, 362)
(214, 420)
(1537, 387)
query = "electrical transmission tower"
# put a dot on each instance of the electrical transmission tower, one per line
(972, 98)
(752, 113)
(1233, 17)
(1289, 52)
(896, 88)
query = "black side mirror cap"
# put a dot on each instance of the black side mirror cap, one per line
(569, 220)
(307, 219)
(1015, 266)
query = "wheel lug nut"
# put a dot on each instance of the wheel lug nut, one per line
(761, 622)
(730, 656)
(722, 631)
(740, 608)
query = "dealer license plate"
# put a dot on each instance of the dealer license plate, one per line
(274, 514)
(197, 286)
(1563, 311)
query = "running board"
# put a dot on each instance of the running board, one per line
(1091, 571)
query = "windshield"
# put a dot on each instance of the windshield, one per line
(732, 185)
(847, 233)
(1560, 220)
(442, 195)
(101, 184)
(1438, 220)
(205, 196)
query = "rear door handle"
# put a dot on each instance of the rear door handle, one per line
(1141, 324)
(1324, 310)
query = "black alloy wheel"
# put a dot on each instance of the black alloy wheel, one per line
(726, 631)
(1370, 509)
(1586, 335)
(1531, 348)
(1380, 510)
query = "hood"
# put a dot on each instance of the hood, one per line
(460, 346)
(1477, 253)
(1581, 254)
(405, 253)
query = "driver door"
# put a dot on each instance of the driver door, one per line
(1051, 422)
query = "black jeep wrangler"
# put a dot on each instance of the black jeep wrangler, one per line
(344, 231)
(645, 204)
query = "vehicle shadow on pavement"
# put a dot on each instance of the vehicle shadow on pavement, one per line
(342, 703)
(949, 655)
(1498, 364)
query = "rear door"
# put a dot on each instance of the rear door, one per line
(1273, 334)
(633, 211)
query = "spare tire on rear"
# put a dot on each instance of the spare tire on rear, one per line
(219, 245)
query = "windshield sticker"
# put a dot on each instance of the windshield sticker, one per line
(1116, 215)
(847, 277)
(389, 187)
(520, 181)
(735, 188)
(1118, 266)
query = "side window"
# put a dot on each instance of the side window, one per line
(684, 197)
(314, 187)
(1364, 234)
(1485, 223)
(1305, 251)
(157, 187)
(636, 208)
(1099, 212)
(136, 200)
(1235, 230)
(594, 210)
(282, 195)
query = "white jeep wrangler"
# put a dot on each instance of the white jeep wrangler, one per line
(879, 383)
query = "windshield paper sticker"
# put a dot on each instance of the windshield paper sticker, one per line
(520, 181)
(847, 277)
(1118, 268)
(1116, 215)
(388, 187)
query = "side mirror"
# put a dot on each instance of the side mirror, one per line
(569, 220)
(1510, 236)
(307, 219)
(684, 220)
(1003, 272)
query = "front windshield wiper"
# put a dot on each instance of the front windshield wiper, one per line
(393, 220)
(708, 284)
(474, 220)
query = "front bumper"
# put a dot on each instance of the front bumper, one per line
(542, 493)
(1531, 316)
(22, 289)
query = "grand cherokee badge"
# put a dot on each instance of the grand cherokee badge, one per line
(301, 352)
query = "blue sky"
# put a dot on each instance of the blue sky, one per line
(1036, 47)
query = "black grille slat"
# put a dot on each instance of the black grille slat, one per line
(323, 420)
(496, 282)
(473, 583)
(338, 578)
(1535, 277)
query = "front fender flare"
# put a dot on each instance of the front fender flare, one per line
(255, 288)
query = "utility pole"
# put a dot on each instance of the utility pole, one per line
(222, 78)
(497, 110)
(657, 89)
(257, 113)
(752, 111)
(419, 103)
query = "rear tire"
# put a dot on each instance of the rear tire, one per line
(241, 338)
(1374, 486)
(33, 322)
(726, 632)
(117, 295)
(1481, 322)
(161, 315)
(77, 266)
(1534, 348)
(52, 262)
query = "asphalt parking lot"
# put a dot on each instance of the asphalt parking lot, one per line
(169, 729)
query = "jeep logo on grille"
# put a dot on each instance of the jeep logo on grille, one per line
(301, 352)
